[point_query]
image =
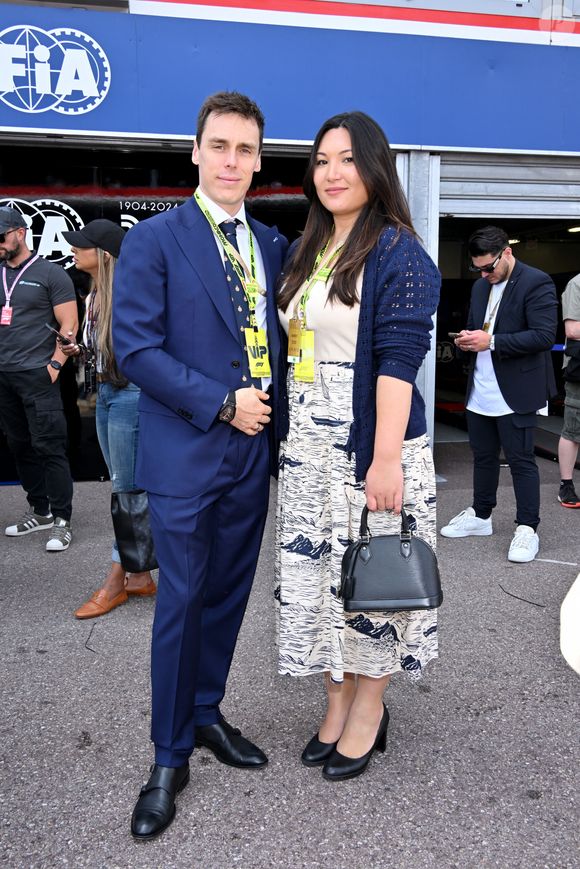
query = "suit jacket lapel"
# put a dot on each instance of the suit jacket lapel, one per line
(509, 288)
(267, 240)
(196, 239)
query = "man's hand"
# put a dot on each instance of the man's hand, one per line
(70, 349)
(53, 373)
(473, 340)
(252, 412)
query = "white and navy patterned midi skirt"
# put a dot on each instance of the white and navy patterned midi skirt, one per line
(319, 511)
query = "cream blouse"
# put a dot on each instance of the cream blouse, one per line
(335, 325)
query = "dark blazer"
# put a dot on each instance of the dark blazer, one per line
(525, 330)
(175, 336)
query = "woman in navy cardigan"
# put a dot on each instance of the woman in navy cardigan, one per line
(357, 300)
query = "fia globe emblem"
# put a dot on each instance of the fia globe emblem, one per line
(63, 70)
(46, 220)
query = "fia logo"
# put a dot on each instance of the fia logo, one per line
(46, 220)
(63, 69)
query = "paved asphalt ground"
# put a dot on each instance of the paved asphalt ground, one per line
(481, 768)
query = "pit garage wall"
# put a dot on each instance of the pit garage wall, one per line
(428, 90)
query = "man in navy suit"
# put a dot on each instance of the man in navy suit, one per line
(195, 325)
(511, 328)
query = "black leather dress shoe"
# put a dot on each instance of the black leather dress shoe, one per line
(229, 746)
(155, 808)
(338, 767)
(316, 752)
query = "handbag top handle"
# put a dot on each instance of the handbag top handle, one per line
(365, 533)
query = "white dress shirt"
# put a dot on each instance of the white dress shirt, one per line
(219, 215)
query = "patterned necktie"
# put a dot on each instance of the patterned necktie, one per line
(238, 297)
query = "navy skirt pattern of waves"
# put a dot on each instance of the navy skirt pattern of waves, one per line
(319, 510)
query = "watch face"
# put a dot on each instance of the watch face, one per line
(227, 413)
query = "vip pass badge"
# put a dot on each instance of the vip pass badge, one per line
(256, 340)
(300, 338)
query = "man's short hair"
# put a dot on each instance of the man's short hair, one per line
(230, 103)
(489, 240)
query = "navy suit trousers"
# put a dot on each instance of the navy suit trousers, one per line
(514, 433)
(207, 547)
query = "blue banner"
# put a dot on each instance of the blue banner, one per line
(79, 71)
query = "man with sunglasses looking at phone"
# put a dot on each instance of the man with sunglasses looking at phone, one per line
(35, 292)
(511, 328)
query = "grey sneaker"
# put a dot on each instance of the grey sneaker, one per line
(30, 522)
(61, 536)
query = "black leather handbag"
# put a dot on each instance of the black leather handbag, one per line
(130, 512)
(389, 572)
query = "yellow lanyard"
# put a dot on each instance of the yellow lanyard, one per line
(251, 287)
(320, 271)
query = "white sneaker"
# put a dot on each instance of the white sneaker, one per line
(525, 545)
(60, 536)
(467, 524)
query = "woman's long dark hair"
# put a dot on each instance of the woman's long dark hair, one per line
(386, 205)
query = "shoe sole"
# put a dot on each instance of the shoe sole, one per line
(157, 833)
(522, 560)
(60, 549)
(312, 763)
(573, 506)
(346, 776)
(30, 530)
(485, 533)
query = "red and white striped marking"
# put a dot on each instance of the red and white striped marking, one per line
(375, 19)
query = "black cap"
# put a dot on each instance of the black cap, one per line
(98, 233)
(10, 218)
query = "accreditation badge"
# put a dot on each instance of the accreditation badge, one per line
(294, 331)
(304, 370)
(6, 316)
(252, 292)
(257, 347)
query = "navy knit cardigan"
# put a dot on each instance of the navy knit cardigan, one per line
(400, 294)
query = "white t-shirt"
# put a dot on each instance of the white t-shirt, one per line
(485, 397)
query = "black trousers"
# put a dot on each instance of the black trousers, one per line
(33, 421)
(514, 433)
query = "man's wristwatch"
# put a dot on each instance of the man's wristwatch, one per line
(492, 342)
(228, 408)
(54, 363)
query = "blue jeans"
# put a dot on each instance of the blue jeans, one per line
(118, 434)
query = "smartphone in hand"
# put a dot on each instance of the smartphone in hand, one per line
(62, 339)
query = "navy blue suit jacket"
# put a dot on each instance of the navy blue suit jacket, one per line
(175, 336)
(525, 330)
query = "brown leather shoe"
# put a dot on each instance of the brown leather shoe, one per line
(100, 603)
(150, 588)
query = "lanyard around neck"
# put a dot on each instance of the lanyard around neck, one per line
(321, 269)
(8, 292)
(492, 312)
(239, 266)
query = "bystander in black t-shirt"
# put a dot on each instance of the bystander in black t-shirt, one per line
(26, 343)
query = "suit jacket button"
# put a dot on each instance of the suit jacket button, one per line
(235, 364)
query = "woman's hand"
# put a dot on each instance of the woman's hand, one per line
(384, 485)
